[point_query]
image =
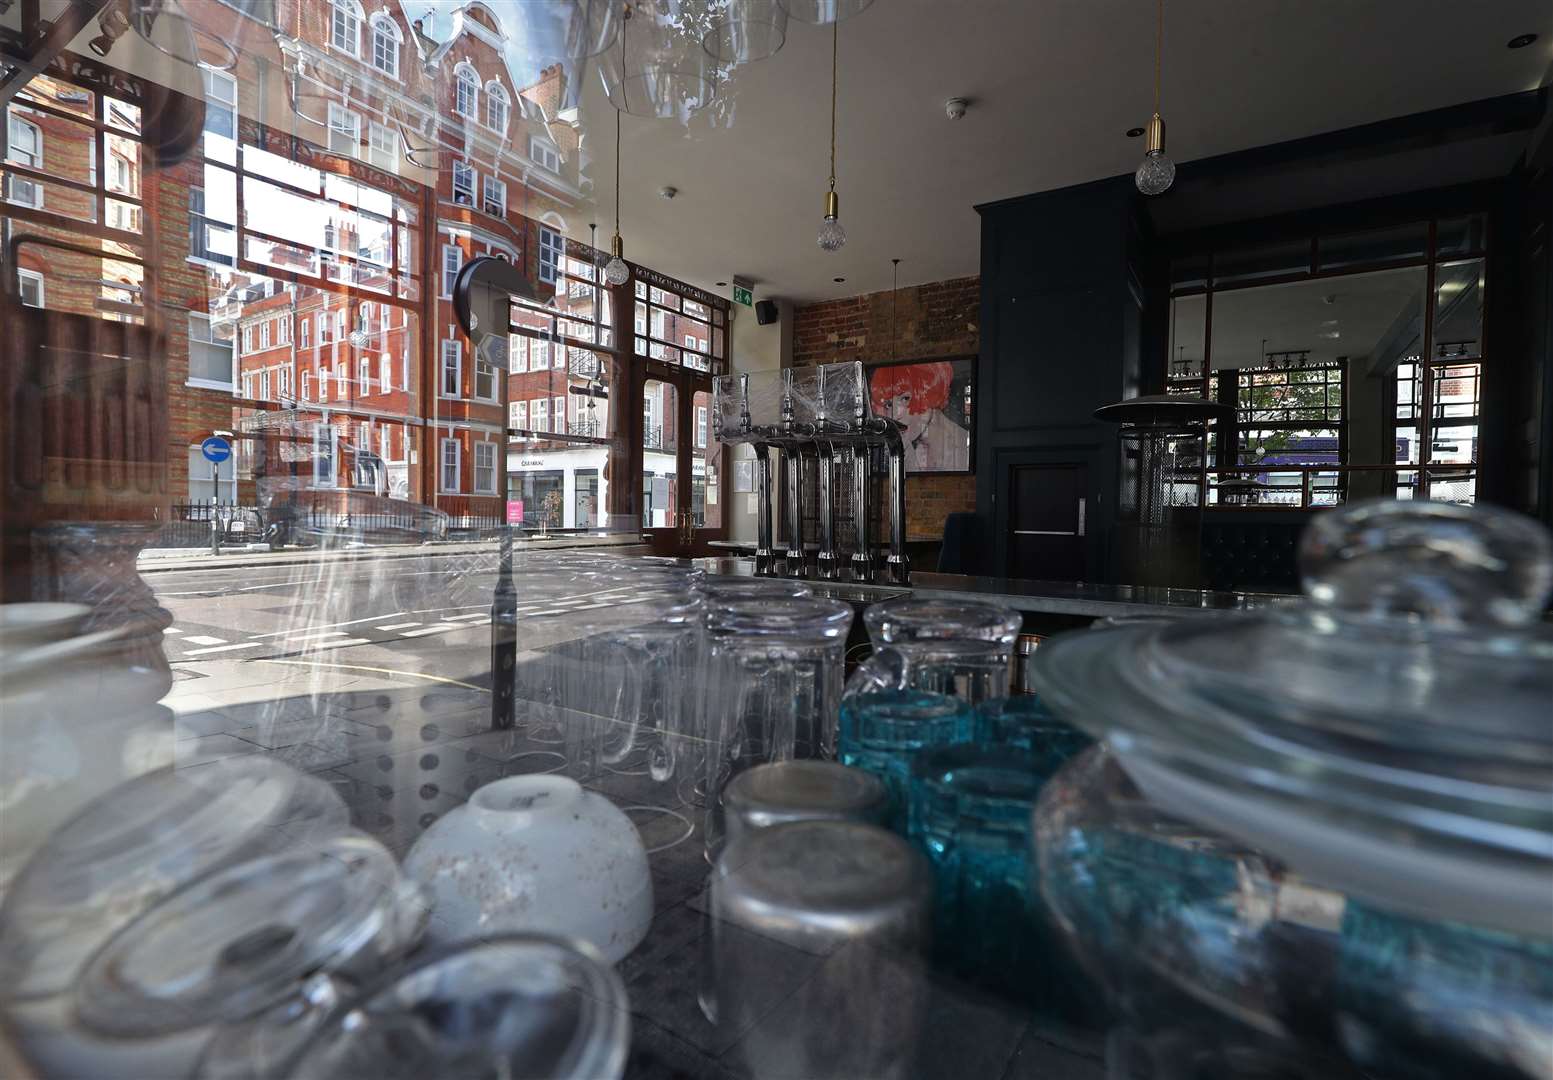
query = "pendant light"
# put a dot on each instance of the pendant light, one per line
(616, 272)
(1157, 172)
(832, 235)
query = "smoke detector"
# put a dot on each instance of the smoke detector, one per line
(955, 107)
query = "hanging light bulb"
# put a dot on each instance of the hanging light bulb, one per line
(832, 236)
(616, 272)
(1157, 172)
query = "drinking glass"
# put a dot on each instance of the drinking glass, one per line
(1023, 721)
(945, 646)
(773, 686)
(883, 732)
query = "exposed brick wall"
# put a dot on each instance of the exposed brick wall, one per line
(938, 319)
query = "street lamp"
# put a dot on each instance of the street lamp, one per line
(482, 302)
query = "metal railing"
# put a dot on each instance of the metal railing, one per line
(1306, 487)
(188, 524)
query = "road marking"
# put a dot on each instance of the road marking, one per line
(326, 626)
(273, 585)
(313, 637)
(337, 644)
(221, 648)
(172, 630)
(399, 626)
(201, 639)
(375, 671)
(431, 629)
(456, 618)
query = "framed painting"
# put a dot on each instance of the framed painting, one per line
(935, 400)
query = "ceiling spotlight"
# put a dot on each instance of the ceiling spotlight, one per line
(1134, 133)
(838, 280)
(722, 284)
(1520, 41)
(955, 108)
(668, 191)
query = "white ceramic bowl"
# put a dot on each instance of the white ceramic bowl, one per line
(539, 854)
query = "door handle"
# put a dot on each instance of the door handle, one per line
(1082, 504)
(1046, 532)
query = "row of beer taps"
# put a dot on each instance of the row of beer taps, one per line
(811, 446)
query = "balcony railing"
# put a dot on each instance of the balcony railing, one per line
(1306, 487)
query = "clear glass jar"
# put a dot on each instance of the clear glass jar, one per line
(1324, 829)
(945, 646)
(1024, 721)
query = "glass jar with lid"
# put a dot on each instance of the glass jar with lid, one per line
(1331, 822)
(963, 648)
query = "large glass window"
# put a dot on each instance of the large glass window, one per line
(1346, 378)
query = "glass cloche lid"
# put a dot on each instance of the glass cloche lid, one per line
(241, 939)
(1392, 736)
(140, 842)
(524, 1005)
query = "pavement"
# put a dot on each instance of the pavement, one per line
(153, 559)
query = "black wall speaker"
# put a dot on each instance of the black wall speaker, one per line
(765, 312)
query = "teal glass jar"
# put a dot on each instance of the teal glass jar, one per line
(1024, 722)
(970, 813)
(883, 732)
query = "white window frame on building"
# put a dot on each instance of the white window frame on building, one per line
(544, 153)
(325, 328)
(323, 383)
(200, 229)
(466, 91)
(248, 339)
(364, 376)
(199, 478)
(703, 428)
(386, 43)
(465, 181)
(344, 131)
(283, 330)
(264, 334)
(494, 201)
(345, 19)
(518, 417)
(342, 381)
(264, 384)
(486, 377)
(18, 189)
(283, 380)
(307, 386)
(248, 386)
(385, 373)
(383, 147)
(446, 461)
(220, 103)
(452, 350)
(486, 450)
(539, 413)
(496, 107)
(552, 249)
(452, 263)
(558, 414)
(517, 354)
(203, 341)
(30, 284)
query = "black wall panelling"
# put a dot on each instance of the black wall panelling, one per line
(1061, 325)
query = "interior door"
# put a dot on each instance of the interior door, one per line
(1047, 521)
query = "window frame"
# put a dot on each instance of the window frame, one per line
(545, 154)
(386, 156)
(385, 373)
(486, 445)
(443, 463)
(464, 183)
(27, 183)
(23, 275)
(466, 80)
(209, 339)
(383, 27)
(553, 244)
(457, 355)
(485, 196)
(450, 274)
(346, 14)
(337, 111)
(496, 97)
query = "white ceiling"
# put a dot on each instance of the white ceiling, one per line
(1054, 85)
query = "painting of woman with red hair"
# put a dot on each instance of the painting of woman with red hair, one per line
(933, 400)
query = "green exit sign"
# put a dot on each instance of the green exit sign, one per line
(741, 295)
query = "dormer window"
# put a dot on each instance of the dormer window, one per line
(496, 107)
(386, 42)
(466, 100)
(345, 25)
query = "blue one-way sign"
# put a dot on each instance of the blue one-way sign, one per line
(216, 449)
